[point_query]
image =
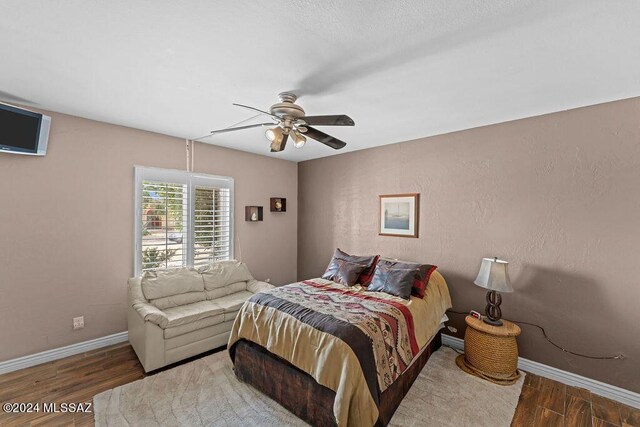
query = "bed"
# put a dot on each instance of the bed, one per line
(337, 355)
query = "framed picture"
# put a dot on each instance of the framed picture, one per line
(399, 215)
(278, 204)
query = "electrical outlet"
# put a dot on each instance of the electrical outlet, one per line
(78, 323)
(268, 280)
(452, 329)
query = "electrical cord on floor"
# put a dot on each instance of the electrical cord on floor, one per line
(544, 333)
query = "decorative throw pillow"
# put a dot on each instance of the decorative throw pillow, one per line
(369, 263)
(393, 280)
(421, 281)
(344, 272)
(367, 273)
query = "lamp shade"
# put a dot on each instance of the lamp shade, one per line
(494, 275)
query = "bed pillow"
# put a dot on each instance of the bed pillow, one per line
(369, 263)
(421, 280)
(394, 280)
(344, 272)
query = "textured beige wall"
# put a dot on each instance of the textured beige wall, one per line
(66, 227)
(558, 196)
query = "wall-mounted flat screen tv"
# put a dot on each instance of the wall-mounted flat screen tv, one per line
(23, 131)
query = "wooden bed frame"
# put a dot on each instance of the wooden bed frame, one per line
(298, 392)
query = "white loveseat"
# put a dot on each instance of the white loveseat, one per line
(175, 314)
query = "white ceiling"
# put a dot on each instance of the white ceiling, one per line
(400, 69)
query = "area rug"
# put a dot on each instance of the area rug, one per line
(205, 392)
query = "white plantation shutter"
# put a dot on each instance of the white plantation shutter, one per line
(212, 225)
(165, 213)
(182, 219)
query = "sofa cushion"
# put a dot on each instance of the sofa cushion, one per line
(180, 299)
(193, 326)
(185, 339)
(214, 294)
(188, 313)
(231, 316)
(164, 283)
(232, 303)
(223, 273)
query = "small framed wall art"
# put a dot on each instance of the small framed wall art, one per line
(278, 204)
(399, 215)
(253, 213)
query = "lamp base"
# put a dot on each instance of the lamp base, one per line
(492, 322)
(492, 310)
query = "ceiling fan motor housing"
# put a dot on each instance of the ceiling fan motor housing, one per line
(287, 108)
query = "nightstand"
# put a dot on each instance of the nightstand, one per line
(490, 352)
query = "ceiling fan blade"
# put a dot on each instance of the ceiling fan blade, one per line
(336, 120)
(259, 111)
(214, 132)
(283, 143)
(320, 136)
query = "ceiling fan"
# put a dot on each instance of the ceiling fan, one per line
(291, 121)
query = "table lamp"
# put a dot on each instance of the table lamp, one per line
(494, 276)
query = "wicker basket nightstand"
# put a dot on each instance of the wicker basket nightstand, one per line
(490, 352)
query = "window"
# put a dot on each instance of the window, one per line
(182, 219)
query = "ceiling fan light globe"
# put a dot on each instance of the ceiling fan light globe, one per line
(271, 134)
(298, 139)
(275, 135)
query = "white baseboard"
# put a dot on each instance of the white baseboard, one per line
(603, 389)
(61, 352)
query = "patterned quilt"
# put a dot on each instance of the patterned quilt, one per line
(323, 328)
(387, 325)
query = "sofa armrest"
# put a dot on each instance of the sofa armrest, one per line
(255, 286)
(151, 314)
(134, 291)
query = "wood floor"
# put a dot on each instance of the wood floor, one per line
(77, 379)
(544, 402)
